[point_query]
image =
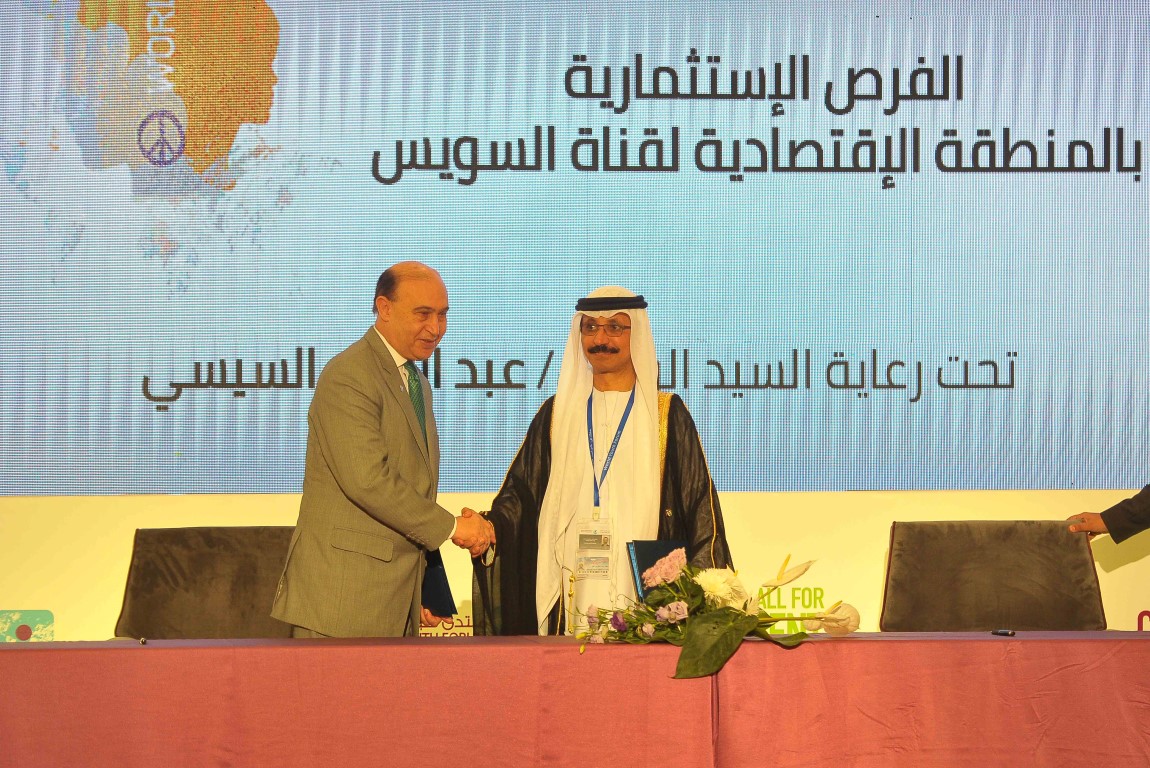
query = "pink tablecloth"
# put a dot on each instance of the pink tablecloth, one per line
(920, 700)
(1066, 699)
(460, 702)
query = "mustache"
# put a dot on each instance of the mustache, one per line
(603, 348)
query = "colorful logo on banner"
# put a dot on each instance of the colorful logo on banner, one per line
(26, 626)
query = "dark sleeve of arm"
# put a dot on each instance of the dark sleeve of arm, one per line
(690, 495)
(504, 591)
(1129, 516)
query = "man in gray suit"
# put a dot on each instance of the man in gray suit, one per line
(368, 514)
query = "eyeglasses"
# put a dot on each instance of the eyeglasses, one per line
(614, 330)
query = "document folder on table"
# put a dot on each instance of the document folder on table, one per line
(436, 596)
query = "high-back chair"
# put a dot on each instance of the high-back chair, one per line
(977, 575)
(215, 582)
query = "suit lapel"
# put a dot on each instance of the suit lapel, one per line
(432, 434)
(393, 383)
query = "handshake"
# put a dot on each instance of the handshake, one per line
(476, 534)
(473, 532)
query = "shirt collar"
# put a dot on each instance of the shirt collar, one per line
(399, 359)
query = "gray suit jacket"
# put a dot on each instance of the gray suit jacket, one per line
(355, 564)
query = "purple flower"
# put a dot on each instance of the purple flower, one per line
(667, 569)
(617, 622)
(673, 613)
(595, 639)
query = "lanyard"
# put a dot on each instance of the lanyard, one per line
(598, 482)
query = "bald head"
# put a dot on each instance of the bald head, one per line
(411, 308)
(389, 281)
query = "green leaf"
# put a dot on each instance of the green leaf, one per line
(692, 593)
(787, 641)
(696, 599)
(711, 639)
(763, 632)
(659, 596)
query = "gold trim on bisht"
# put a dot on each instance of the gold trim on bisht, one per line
(664, 414)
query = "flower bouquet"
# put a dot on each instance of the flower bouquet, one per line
(707, 612)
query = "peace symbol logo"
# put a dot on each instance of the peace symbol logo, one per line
(161, 138)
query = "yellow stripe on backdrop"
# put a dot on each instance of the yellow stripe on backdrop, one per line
(70, 555)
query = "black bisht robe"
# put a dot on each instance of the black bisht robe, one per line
(504, 592)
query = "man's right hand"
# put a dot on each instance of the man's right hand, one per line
(473, 532)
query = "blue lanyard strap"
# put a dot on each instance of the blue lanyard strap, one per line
(598, 482)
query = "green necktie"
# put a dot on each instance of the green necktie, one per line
(415, 392)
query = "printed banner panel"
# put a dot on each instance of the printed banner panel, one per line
(884, 247)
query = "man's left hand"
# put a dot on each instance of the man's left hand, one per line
(1090, 523)
(429, 619)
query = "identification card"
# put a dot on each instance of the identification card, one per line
(595, 536)
(594, 541)
(592, 567)
(593, 555)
